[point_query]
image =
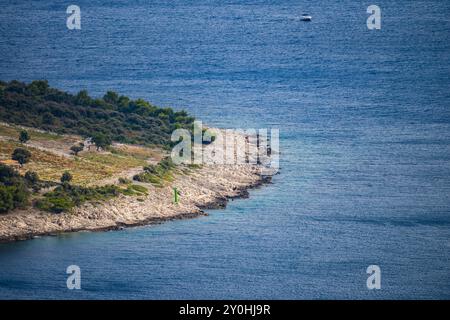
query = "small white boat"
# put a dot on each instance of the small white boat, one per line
(306, 17)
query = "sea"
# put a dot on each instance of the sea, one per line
(364, 122)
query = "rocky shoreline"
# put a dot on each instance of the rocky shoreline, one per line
(206, 188)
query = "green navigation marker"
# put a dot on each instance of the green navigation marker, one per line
(175, 195)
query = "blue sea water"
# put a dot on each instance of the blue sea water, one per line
(364, 119)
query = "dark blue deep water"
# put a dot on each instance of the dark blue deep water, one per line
(364, 118)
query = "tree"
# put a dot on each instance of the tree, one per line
(13, 190)
(123, 103)
(77, 148)
(6, 199)
(66, 177)
(111, 97)
(22, 156)
(101, 141)
(20, 195)
(24, 136)
(48, 118)
(8, 175)
(32, 177)
(38, 87)
(12, 197)
(82, 98)
(122, 119)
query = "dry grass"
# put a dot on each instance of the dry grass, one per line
(138, 152)
(48, 165)
(13, 132)
(89, 167)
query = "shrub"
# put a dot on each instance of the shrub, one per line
(101, 141)
(139, 189)
(38, 87)
(124, 181)
(156, 174)
(20, 195)
(21, 155)
(13, 190)
(117, 117)
(77, 148)
(48, 119)
(66, 177)
(32, 177)
(24, 136)
(8, 175)
(55, 204)
(6, 199)
(111, 97)
(64, 198)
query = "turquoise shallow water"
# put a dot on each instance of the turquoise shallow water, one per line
(364, 121)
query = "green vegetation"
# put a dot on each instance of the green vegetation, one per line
(31, 177)
(101, 141)
(135, 190)
(66, 177)
(124, 181)
(14, 192)
(113, 117)
(76, 149)
(21, 155)
(12, 131)
(88, 168)
(139, 189)
(157, 174)
(65, 197)
(136, 124)
(24, 136)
